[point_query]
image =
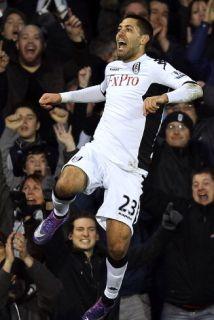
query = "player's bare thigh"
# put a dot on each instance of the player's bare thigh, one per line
(118, 238)
(72, 180)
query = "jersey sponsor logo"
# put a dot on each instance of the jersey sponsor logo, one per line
(122, 80)
(178, 74)
(136, 68)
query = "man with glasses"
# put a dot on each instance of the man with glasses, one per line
(169, 177)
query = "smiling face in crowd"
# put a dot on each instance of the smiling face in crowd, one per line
(33, 191)
(203, 188)
(84, 235)
(30, 45)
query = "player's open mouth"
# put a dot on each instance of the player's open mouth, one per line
(121, 44)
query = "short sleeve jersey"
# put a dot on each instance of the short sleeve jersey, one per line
(122, 126)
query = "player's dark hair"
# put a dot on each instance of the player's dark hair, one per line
(143, 24)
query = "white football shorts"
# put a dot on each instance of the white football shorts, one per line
(122, 188)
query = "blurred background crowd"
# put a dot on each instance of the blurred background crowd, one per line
(62, 45)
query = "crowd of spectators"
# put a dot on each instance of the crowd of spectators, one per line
(61, 45)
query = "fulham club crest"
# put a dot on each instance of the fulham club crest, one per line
(136, 68)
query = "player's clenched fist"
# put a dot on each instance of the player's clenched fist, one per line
(151, 104)
(47, 100)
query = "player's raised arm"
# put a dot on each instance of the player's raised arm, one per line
(90, 94)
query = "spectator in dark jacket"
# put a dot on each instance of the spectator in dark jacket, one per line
(27, 289)
(82, 272)
(169, 175)
(31, 75)
(189, 258)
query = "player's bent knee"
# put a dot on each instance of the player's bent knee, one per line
(72, 180)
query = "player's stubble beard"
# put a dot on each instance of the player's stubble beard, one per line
(124, 56)
(129, 54)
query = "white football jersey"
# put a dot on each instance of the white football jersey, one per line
(122, 126)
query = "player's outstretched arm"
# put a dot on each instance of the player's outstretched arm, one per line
(89, 94)
(47, 100)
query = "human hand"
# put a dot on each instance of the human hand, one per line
(185, 3)
(90, 108)
(152, 104)
(20, 244)
(47, 100)
(65, 137)
(171, 218)
(14, 121)
(209, 16)
(201, 83)
(59, 115)
(162, 35)
(4, 59)
(84, 76)
(189, 34)
(9, 249)
(73, 27)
